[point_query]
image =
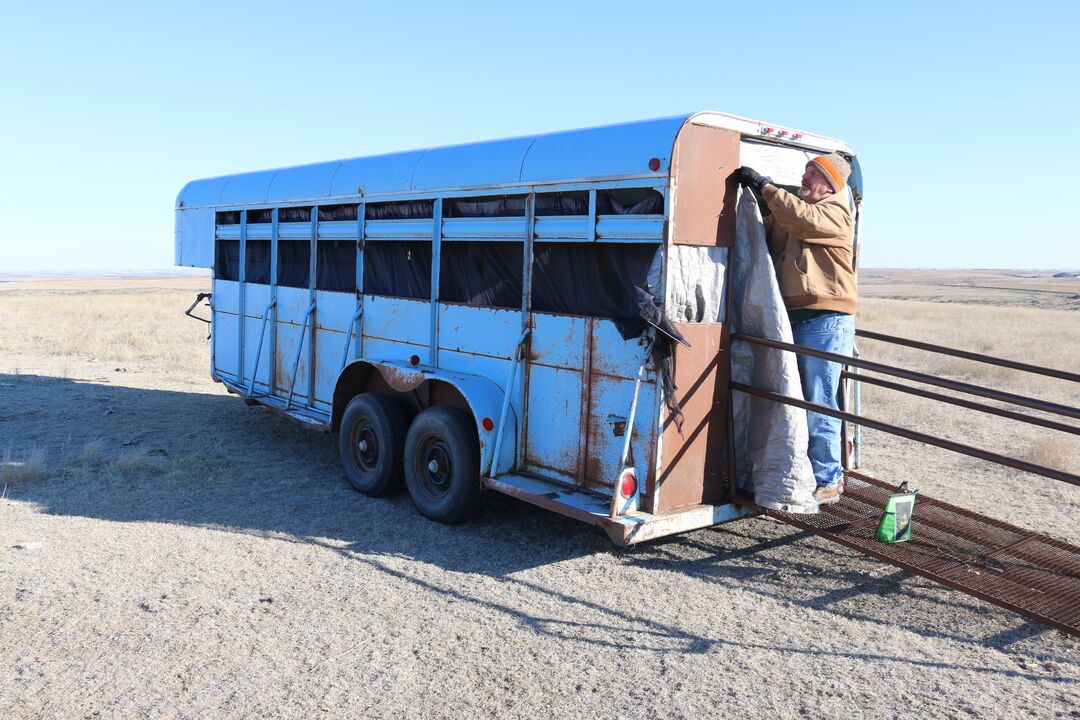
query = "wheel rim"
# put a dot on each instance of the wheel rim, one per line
(434, 467)
(365, 446)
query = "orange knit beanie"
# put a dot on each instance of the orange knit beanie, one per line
(834, 167)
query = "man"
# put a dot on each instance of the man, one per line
(810, 239)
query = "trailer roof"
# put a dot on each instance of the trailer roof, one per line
(613, 151)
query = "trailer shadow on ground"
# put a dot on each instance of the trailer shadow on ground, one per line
(128, 454)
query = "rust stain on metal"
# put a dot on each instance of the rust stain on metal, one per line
(704, 159)
(1028, 573)
(692, 461)
(586, 403)
(400, 379)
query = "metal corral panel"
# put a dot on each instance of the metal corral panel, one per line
(380, 349)
(288, 338)
(252, 329)
(334, 310)
(483, 229)
(329, 348)
(613, 228)
(256, 298)
(495, 369)
(554, 424)
(615, 356)
(479, 330)
(226, 345)
(558, 340)
(227, 296)
(292, 304)
(610, 398)
(398, 319)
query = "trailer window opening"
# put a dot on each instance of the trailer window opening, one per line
(260, 216)
(477, 207)
(629, 201)
(227, 217)
(593, 279)
(257, 261)
(294, 214)
(562, 203)
(337, 212)
(227, 260)
(335, 265)
(294, 263)
(400, 210)
(483, 273)
(398, 268)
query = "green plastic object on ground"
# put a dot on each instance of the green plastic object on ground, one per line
(895, 525)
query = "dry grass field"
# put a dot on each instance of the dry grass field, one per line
(168, 552)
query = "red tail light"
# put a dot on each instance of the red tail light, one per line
(627, 483)
(488, 424)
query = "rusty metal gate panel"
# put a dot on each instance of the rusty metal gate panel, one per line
(1028, 573)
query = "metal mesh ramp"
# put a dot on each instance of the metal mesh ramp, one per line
(1028, 573)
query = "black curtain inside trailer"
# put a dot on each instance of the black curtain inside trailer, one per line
(337, 212)
(294, 263)
(481, 273)
(595, 279)
(403, 210)
(227, 260)
(335, 265)
(257, 262)
(504, 206)
(294, 214)
(399, 268)
(629, 201)
(621, 201)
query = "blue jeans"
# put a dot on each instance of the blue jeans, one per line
(833, 332)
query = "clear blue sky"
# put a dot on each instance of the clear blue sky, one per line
(964, 114)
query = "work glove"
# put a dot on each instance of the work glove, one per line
(751, 178)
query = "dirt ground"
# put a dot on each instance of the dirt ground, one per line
(168, 552)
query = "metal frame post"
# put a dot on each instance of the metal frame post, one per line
(241, 295)
(436, 259)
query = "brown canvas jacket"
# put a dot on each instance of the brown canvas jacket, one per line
(811, 247)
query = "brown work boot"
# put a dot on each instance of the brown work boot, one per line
(827, 494)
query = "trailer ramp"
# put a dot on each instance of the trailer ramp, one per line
(1031, 574)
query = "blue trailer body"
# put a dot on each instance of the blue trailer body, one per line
(563, 404)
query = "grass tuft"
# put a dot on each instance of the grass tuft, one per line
(93, 453)
(27, 469)
(1055, 452)
(140, 464)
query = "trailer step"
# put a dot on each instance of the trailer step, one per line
(594, 508)
(1031, 574)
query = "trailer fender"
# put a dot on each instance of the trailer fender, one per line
(483, 396)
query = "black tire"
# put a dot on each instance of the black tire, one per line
(442, 464)
(371, 443)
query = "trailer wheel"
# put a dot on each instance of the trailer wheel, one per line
(442, 464)
(371, 439)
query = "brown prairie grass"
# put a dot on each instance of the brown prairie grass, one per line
(27, 467)
(138, 322)
(1036, 336)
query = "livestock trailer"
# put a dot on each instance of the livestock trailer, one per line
(467, 317)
